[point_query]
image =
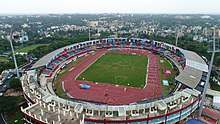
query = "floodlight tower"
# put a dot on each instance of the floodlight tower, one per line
(13, 53)
(179, 29)
(177, 36)
(89, 34)
(214, 49)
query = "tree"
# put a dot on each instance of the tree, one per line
(8, 103)
(218, 60)
(15, 83)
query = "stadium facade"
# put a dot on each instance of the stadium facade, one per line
(44, 106)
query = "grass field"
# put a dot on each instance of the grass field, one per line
(170, 78)
(118, 69)
(28, 48)
(3, 59)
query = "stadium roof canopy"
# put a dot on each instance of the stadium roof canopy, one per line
(47, 58)
(192, 73)
(195, 61)
(44, 60)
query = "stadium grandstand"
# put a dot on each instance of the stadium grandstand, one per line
(117, 104)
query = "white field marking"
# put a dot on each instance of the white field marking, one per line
(170, 63)
(89, 65)
(100, 64)
(62, 84)
(69, 95)
(125, 78)
(103, 59)
(147, 73)
(71, 69)
(124, 59)
(131, 63)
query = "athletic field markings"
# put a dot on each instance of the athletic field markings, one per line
(128, 62)
(148, 60)
(123, 59)
(116, 79)
(121, 64)
(99, 63)
(125, 77)
(131, 63)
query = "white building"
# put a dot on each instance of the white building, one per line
(216, 102)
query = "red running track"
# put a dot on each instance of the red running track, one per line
(109, 93)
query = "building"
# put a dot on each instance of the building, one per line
(216, 102)
(20, 37)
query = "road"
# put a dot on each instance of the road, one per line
(2, 121)
(5, 85)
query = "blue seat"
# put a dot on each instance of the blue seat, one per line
(78, 50)
(113, 44)
(56, 61)
(133, 44)
(103, 44)
(87, 48)
(50, 67)
(122, 44)
(63, 57)
(70, 53)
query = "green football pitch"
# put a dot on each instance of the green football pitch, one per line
(118, 69)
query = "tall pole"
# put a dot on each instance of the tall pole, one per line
(177, 36)
(208, 77)
(13, 54)
(89, 34)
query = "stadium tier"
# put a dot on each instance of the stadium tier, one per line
(129, 105)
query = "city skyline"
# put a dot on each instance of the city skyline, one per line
(110, 6)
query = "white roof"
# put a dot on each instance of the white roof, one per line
(47, 98)
(213, 92)
(162, 105)
(216, 99)
(78, 108)
(46, 59)
(121, 111)
(197, 65)
(190, 76)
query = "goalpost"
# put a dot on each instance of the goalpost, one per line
(114, 50)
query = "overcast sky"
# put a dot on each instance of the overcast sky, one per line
(110, 6)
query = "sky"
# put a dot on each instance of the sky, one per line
(109, 6)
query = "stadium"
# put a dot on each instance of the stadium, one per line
(114, 80)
